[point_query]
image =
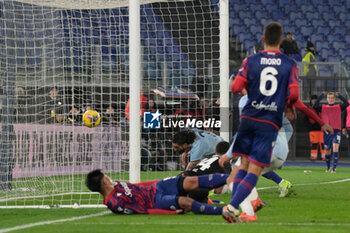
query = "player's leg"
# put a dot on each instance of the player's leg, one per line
(211, 181)
(189, 204)
(171, 195)
(273, 176)
(336, 142)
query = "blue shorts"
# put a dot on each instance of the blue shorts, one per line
(255, 140)
(330, 139)
(167, 193)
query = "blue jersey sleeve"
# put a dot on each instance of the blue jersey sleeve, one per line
(198, 150)
(229, 151)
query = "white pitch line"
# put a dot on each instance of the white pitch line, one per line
(108, 212)
(26, 226)
(220, 224)
(328, 182)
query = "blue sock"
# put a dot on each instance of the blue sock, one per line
(244, 189)
(328, 161)
(212, 180)
(273, 176)
(238, 178)
(335, 159)
(200, 208)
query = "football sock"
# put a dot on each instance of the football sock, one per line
(212, 180)
(238, 178)
(335, 159)
(200, 208)
(328, 161)
(246, 204)
(273, 176)
(244, 189)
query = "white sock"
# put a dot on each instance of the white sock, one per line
(230, 187)
(246, 205)
(225, 189)
(254, 194)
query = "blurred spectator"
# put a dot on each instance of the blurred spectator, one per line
(151, 105)
(109, 117)
(315, 133)
(53, 108)
(143, 101)
(310, 70)
(74, 117)
(346, 126)
(290, 47)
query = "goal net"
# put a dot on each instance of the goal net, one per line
(61, 58)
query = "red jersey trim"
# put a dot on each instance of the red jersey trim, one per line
(257, 162)
(239, 154)
(109, 197)
(293, 85)
(261, 120)
(272, 51)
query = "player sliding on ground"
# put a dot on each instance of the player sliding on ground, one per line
(167, 196)
(271, 80)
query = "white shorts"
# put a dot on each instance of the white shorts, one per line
(274, 164)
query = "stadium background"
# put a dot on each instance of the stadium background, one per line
(84, 54)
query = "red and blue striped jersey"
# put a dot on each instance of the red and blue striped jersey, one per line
(267, 75)
(127, 198)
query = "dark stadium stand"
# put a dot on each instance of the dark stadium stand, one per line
(326, 23)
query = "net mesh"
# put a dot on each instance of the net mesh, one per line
(61, 58)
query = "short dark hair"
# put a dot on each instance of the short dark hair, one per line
(186, 136)
(94, 180)
(272, 33)
(222, 147)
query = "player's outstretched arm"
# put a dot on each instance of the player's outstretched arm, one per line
(224, 159)
(328, 129)
(345, 103)
(192, 164)
(305, 110)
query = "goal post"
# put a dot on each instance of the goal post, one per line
(121, 58)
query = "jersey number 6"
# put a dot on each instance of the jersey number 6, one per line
(268, 74)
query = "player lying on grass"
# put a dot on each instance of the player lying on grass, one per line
(209, 166)
(197, 143)
(167, 196)
(279, 156)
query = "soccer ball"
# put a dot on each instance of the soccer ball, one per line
(91, 118)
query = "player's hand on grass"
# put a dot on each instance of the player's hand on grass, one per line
(223, 159)
(180, 211)
(183, 158)
(328, 129)
(290, 113)
(344, 131)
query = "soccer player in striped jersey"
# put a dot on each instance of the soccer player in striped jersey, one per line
(167, 196)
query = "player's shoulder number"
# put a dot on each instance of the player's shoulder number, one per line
(268, 74)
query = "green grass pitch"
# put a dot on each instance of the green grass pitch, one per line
(319, 205)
